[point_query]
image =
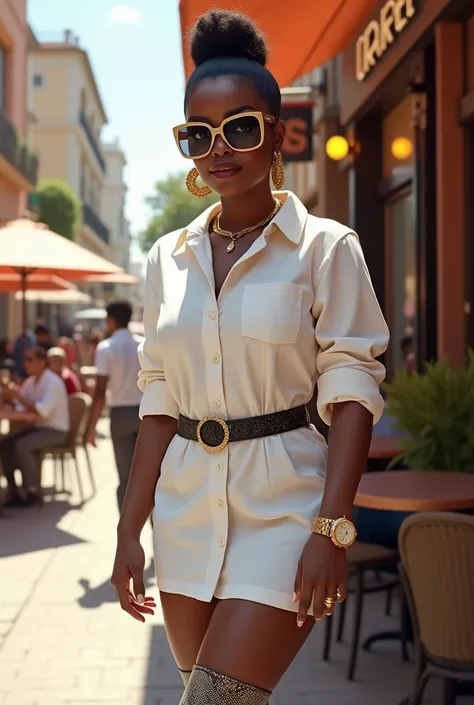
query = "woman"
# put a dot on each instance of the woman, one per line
(244, 310)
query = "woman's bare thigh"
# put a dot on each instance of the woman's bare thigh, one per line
(251, 642)
(186, 622)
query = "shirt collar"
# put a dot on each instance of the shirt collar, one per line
(120, 333)
(290, 219)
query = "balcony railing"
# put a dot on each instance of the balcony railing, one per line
(92, 139)
(17, 154)
(94, 222)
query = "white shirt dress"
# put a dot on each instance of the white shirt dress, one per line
(297, 308)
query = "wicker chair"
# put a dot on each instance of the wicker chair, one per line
(437, 569)
(79, 406)
(362, 557)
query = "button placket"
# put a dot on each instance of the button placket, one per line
(216, 401)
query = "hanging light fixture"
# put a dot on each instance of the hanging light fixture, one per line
(337, 148)
(401, 148)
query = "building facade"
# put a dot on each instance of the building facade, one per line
(68, 119)
(18, 163)
(113, 204)
(319, 182)
(407, 110)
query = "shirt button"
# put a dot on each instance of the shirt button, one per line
(216, 358)
(217, 403)
(220, 503)
(220, 467)
(222, 541)
(212, 313)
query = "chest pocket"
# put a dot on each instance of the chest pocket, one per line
(272, 312)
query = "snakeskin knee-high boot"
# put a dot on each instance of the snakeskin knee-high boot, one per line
(206, 687)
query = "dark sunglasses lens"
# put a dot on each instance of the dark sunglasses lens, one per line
(194, 140)
(243, 132)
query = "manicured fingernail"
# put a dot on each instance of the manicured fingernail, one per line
(140, 599)
(295, 597)
(318, 619)
(300, 622)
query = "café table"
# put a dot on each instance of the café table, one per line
(15, 418)
(385, 447)
(410, 491)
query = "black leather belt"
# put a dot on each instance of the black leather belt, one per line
(214, 434)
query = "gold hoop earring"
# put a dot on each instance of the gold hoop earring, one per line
(191, 185)
(278, 171)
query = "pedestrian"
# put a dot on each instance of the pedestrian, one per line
(117, 366)
(43, 393)
(245, 310)
(43, 337)
(57, 361)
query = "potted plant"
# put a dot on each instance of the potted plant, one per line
(436, 411)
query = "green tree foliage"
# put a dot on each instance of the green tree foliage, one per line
(58, 207)
(172, 207)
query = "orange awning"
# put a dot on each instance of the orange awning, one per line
(301, 37)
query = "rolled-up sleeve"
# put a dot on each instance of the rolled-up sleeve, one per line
(350, 331)
(157, 399)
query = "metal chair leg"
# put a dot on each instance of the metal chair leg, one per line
(89, 468)
(342, 621)
(327, 638)
(359, 603)
(79, 481)
(449, 691)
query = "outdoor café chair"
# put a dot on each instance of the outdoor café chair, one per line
(362, 557)
(79, 407)
(437, 570)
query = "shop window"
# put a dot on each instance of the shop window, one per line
(398, 147)
(402, 277)
(401, 284)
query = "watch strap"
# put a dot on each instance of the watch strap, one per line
(322, 526)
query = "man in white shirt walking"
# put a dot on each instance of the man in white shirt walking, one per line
(43, 394)
(116, 360)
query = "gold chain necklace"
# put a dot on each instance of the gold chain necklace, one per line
(215, 226)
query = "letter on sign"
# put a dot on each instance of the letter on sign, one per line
(298, 144)
(380, 34)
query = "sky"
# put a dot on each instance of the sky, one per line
(135, 51)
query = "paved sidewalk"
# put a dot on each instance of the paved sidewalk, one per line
(63, 638)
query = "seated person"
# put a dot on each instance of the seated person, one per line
(43, 394)
(57, 361)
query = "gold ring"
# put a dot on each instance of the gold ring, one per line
(339, 596)
(329, 602)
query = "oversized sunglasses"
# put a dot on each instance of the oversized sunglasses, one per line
(242, 133)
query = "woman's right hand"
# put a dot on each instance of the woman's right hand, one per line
(129, 566)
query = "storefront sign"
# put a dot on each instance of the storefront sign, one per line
(298, 144)
(380, 33)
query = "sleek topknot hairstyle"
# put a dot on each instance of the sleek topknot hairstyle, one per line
(228, 43)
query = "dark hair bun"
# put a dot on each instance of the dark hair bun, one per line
(221, 33)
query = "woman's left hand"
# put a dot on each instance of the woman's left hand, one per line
(322, 573)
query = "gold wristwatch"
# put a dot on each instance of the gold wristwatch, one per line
(342, 532)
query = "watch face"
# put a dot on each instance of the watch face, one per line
(344, 532)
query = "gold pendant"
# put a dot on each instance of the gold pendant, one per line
(230, 246)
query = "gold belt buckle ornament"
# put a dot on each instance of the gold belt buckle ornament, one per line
(225, 432)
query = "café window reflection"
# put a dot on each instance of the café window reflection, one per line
(398, 160)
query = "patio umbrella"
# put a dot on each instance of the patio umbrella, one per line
(29, 248)
(124, 278)
(66, 296)
(91, 314)
(11, 283)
